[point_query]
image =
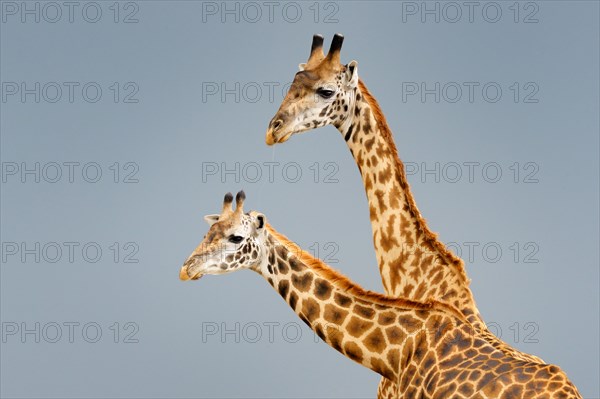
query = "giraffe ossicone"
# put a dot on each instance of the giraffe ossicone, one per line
(427, 348)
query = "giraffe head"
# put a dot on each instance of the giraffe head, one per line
(321, 93)
(233, 242)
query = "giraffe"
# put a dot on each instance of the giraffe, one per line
(412, 261)
(427, 348)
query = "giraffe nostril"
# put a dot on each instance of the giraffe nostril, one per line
(277, 124)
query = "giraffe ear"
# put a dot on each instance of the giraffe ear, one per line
(259, 221)
(211, 219)
(352, 74)
(301, 66)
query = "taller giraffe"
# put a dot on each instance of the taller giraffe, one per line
(428, 349)
(413, 263)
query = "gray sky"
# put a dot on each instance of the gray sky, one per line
(135, 129)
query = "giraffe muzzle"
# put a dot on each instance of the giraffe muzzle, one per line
(274, 135)
(184, 275)
(274, 138)
(270, 137)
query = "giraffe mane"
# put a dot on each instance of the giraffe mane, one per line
(345, 284)
(430, 236)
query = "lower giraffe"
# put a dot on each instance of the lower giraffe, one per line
(428, 349)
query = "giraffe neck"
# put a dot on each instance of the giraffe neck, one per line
(428, 349)
(413, 263)
(367, 327)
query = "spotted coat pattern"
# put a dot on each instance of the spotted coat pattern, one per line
(428, 349)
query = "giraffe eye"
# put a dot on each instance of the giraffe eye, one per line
(235, 239)
(325, 93)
